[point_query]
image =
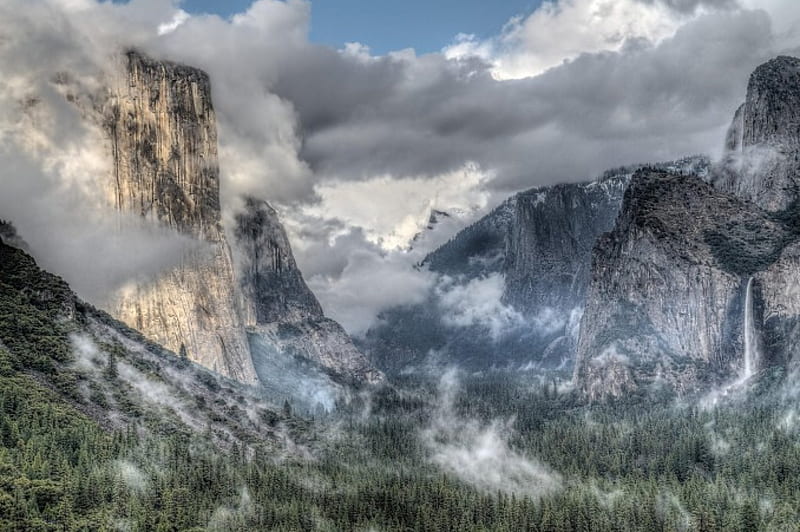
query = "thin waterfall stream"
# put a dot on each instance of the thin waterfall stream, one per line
(750, 336)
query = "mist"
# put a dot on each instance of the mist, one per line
(480, 454)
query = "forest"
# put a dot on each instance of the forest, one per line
(494, 450)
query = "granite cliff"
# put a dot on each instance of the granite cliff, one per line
(696, 285)
(667, 297)
(161, 126)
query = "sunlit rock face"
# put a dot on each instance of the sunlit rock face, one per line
(162, 127)
(282, 315)
(761, 163)
(666, 302)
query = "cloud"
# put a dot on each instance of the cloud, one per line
(392, 212)
(370, 281)
(233, 517)
(478, 303)
(562, 30)
(131, 476)
(643, 102)
(361, 146)
(480, 455)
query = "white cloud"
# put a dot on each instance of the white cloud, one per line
(392, 211)
(480, 454)
(562, 30)
(179, 18)
(370, 282)
(131, 476)
(478, 303)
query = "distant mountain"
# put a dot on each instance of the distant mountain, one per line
(536, 246)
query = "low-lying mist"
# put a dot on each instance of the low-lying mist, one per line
(480, 453)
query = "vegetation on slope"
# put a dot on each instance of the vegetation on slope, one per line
(622, 466)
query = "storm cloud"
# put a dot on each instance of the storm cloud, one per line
(562, 93)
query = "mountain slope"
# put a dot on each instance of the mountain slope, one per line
(697, 282)
(532, 254)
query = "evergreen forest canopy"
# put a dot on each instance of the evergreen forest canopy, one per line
(655, 463)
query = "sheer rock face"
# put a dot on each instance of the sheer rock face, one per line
(666, 302)
(162, 128)
(279, 308)
(778, 309)
(164, 141)
(763, 142)
(540, 241)
(550, 243)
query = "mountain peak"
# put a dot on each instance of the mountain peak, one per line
(763, 141)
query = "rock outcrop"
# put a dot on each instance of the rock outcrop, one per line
(9, 235)
(540, 243)
(162, 127)
(280, 311)
(698, 283)
(666, 302)
(761, 161)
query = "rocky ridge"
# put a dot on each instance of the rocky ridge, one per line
(697, 282)
(280, 311)
(539, 243)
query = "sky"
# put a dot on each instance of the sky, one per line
(355, 140)
(385, 26)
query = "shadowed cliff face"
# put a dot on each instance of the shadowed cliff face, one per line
(283, 316)
(550, 244)
(162, 128)
(667, 299)
(539, 244)
(668, 295)
(761, 163)
(272, 286)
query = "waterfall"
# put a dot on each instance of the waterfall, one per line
(741, 130)
(750, 337)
